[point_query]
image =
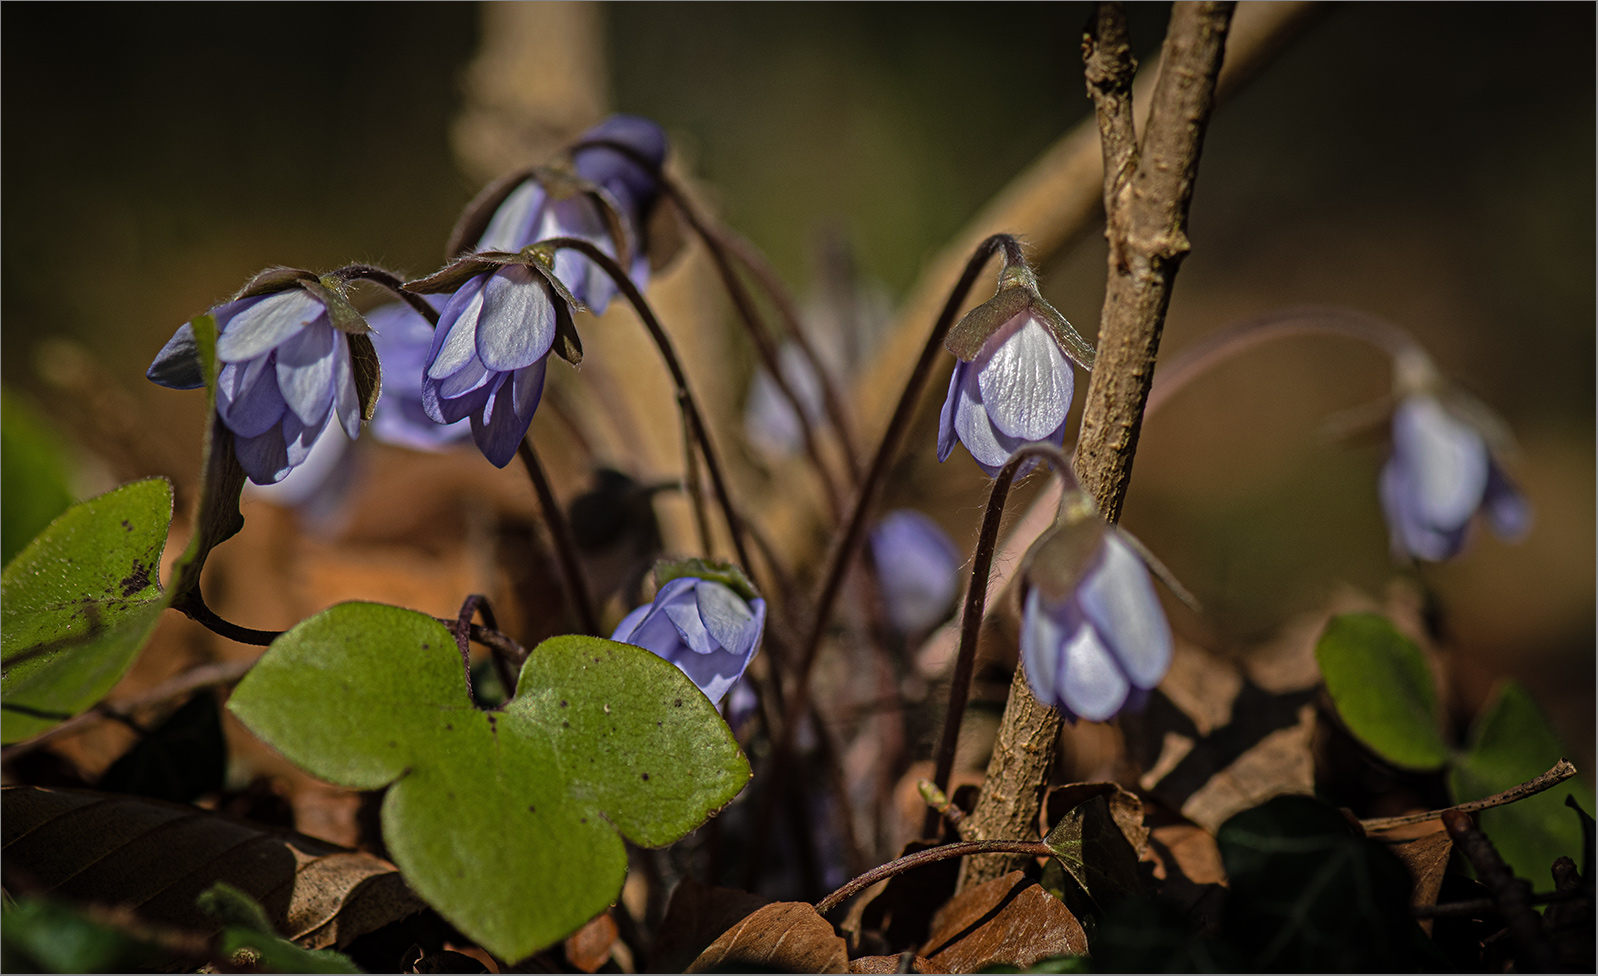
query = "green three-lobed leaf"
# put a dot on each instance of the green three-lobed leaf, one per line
(78, 602)
(506, 821)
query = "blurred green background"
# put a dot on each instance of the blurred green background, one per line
(1433, 164)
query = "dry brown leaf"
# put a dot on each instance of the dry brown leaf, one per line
(1281, 762)
(588, 948)
(157, 857)
(1426, 857)
(696, 915)
(784, 937)
(1187, 850)
(890, 964)
(903, 910)
(1007, 921)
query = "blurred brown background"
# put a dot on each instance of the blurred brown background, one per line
(1433, 164)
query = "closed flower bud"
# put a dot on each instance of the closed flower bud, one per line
(1013, 384)
(708, 625)
(1440, 474)
(1093, 634)
(918, 570)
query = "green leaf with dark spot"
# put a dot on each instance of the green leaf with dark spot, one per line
(510, 823)
(1511, 742)
(1383, 690)
(33, 475)
(77, 604)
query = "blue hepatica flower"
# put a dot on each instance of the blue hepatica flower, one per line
(703, 627)
(609, 184)
(1016, 391)
(285, 372)
(491, 347)
(403, 339)
(918, 569)
(769, 419)
(1440, 474)
(1100, 639)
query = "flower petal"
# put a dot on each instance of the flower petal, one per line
(1508, 511)
(1025, 380)
(1444, 459)
(516, 326)
(247, 397)
(730, 621)
(629, 623)
(951, 401)
(511, 227)
(455, 339)
(1091, 685)
(1410, 534)
(263, 457)
(260, 326)
(495, 428)
(1043, 634)
(305, 365)
(1118, 598)
(177, 365)
(714, 673)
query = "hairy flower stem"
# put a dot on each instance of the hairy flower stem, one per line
(1309, 320)
(560, 534)
(685, 397)
(752, 259)
(1148, 186)
(846, 543)
(721, 244)
(744, 303)
(391, 282)
(964, 848)
(976, 598)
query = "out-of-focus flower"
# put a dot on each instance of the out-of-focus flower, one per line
(403, 339)
(918, 569)
(1440, 474)
(286, 368)
(1012, 385)
(702, 625)
(769, 419)
(603, 197)
(492, 344)
(1093, 634)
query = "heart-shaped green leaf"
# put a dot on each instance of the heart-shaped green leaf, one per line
(1511, 742)
(77, 604)
(505, 821)
(1383, 690)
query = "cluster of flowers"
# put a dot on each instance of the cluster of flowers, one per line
(292, 354)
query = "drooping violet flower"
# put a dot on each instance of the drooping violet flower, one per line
(599, 195)
(1440, 474)
(319, 488)
(492, 344)
(704, 626)
(403, 339)
(1093, 634)
(287, 366)
(918, 570)
(1012, 385)
(769, 419)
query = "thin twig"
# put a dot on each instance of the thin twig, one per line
(1478, 907)
(1512, 895)
(964, 848)
(750, 317)
(976, 595)
(1562, 771)
(560, 534)
(679, 379)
